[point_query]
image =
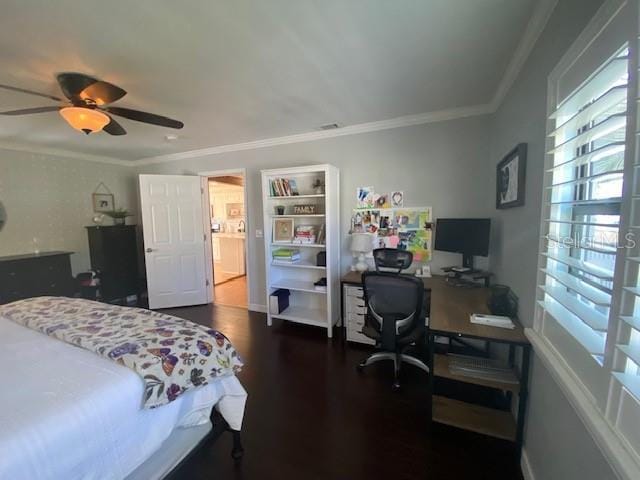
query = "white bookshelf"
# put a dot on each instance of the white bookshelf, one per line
(306, 304)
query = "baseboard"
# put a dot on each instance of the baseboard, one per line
(527, 472)
(255, 307)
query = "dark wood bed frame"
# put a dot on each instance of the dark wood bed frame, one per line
(220, 426)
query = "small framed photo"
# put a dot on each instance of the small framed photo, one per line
(510, 178)
(283, 230)
(397, 199)
(364, 197)
(103, 202)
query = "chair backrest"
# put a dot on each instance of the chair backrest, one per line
(392, 258)
(395, 304)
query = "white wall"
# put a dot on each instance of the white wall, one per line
(48, 202)
(557, 443)
(440, 165)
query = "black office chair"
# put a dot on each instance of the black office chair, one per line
(392, 259)
(396, 311)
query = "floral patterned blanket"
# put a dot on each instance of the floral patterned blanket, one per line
(170, 354)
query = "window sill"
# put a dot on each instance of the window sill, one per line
(624, 462)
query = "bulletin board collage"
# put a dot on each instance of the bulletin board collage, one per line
(391, 224)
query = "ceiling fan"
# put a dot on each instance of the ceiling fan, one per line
(87, 108)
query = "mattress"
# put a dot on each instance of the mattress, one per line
(68, 413)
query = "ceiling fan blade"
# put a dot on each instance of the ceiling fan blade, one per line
(73, 83)
(30, 92)
(114, 128)
(145, 117)
(102, 92)
(28, 111)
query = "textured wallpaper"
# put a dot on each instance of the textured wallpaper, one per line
(48, 202)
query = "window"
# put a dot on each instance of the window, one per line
(588, 299)
(584, 196)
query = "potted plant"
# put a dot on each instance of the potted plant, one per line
(119, 215)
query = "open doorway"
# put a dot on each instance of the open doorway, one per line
(228, 224)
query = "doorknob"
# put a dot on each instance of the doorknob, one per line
(149, 250)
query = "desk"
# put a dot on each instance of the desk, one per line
(451, 308)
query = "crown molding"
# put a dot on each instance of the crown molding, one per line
(405, 121)
(538, 21)
(62, 153)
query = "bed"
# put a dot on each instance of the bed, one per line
(66, 412)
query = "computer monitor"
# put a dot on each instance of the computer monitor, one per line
(468, 236)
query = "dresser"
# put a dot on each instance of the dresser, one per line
(114, 257)
(33, 275)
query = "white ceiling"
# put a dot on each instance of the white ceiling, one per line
(244, 70)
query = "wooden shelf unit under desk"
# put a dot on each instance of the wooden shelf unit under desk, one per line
(451, 308)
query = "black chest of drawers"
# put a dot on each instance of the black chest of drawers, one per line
(114, 256)
(33, 275)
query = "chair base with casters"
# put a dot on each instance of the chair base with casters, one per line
(398, 359)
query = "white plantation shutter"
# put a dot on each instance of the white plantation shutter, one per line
(581, 216)
(587, 323)
(623, 408)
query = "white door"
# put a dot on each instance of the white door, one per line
(174, 240)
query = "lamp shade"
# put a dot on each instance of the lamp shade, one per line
(361, 242)
(86, 120)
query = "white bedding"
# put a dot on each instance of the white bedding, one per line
(68, 413)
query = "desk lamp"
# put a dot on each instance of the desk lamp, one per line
(361, 244)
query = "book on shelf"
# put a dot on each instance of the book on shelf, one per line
(285, 261)
(285, 252)
(286, 255)
(321, 285)
(320, 237)
(305, 240)
(283, 187)
(304, 234)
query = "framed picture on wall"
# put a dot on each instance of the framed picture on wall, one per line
(510, 178)
(103, 202)
(235, 210)
(283, 230)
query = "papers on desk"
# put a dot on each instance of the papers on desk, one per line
(492, 321)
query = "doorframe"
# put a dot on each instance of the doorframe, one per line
(206, 218)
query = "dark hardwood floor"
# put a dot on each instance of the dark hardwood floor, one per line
(310, 415)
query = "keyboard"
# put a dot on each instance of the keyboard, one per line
(483, 368)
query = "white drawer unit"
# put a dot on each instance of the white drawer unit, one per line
(354, 313)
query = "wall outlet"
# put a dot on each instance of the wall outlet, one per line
(259, 233)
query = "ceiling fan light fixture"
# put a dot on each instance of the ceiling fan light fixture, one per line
(85, 120)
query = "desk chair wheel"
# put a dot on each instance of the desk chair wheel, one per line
(396, 386)
(360, 366)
